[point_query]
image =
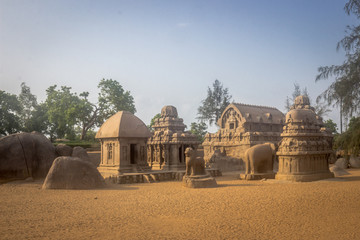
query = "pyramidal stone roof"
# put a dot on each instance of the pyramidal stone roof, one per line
(123, 124)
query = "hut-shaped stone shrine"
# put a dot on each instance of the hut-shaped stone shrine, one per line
(304, 149)
(241, 127)
(123, 140)
(166, 148)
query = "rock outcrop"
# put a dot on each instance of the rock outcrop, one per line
(63, 150)
(354, 162)
(342, 163)
(24, 155)
(73, 173)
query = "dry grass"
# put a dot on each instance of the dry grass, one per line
(328, 209)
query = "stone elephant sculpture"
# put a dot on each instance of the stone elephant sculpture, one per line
(194, 165)
(259, 159)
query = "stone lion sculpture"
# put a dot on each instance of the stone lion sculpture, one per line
(194, 165)
(195, 174)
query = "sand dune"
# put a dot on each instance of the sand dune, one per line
(237, 209)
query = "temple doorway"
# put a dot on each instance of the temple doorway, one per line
(132, 153)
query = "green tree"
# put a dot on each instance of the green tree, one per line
(113, 98)
(39, 120)
(152, 122)
(214, 104)
(345, 90)
(86, 115)
(199, 129)
(329, 124)
(349, 141)
(62, 110)
(10, 109)
(29, 104)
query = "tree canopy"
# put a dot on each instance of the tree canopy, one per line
(10, 110)
(152, 122)
(64, 113)
(211, 108)
(349, 141)
(63, 108)
(199, 129)
(113, 98)
(345, 90)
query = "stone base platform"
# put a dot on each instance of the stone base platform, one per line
(201, 181)
(257, 176)
(151, 176)
(304, 177)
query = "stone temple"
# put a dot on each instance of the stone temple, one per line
(304, 149)
(241, 127)
(166, 148)
(123, 140)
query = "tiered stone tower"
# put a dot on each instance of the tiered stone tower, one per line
(166, 148)
(304, 150)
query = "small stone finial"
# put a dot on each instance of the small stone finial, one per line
(169, 111)
(301, 101)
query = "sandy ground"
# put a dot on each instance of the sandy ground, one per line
(237, 209)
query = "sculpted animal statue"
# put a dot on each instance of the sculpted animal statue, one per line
(260, 159)
(194, 165)
(195, 175)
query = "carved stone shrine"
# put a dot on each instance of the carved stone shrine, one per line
(123, 140)
(166, 147)
(241, 127)
(304, 149)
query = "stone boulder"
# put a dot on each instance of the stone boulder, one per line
(24, 155)
(354, 162)
(82, 154)
(338, 171)
(63, 150)
(73, 173)
(342, 163)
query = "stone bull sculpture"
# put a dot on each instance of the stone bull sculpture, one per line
(259, 161)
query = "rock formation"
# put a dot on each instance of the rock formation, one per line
(73, 173)
(63, 150)
(342, 163)
(25, 155)
(354, 162)
(195, 175)
(338, 171)
(304, 149)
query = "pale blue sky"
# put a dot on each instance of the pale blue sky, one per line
(169, 52)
